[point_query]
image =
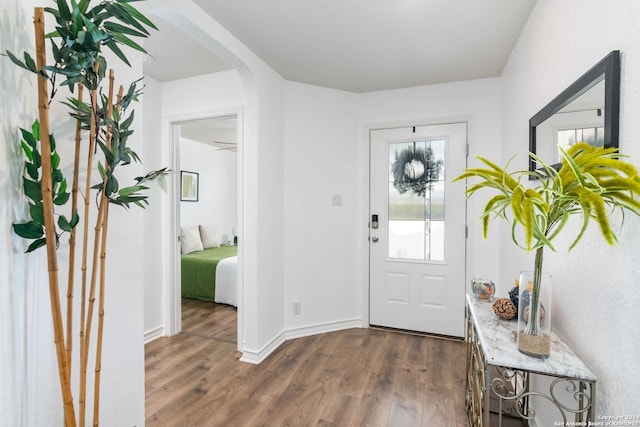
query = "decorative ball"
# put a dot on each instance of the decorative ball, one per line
(504, 308)
(525, 314)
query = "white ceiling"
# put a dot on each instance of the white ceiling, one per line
(221, 132)
(173, 55)
(354, 45)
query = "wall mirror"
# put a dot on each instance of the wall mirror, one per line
(588, 111)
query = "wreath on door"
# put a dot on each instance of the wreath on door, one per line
(415, 169)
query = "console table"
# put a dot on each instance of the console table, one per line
(498, 376)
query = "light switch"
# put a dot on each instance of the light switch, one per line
(336, 200)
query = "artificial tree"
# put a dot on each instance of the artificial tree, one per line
(82, 32)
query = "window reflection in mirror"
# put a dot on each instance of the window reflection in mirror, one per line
(587, 110)
(580, 121)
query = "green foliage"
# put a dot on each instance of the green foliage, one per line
(131, 195)
(32, 180)
(113, 145)
(591, 182)
(81, 33)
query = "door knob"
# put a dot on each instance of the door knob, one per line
(374, 239)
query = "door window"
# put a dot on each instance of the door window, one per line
(416, 200)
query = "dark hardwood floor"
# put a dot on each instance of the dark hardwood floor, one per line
(356, 377)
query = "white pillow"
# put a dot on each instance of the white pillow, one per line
(209, 236)
(190, 239)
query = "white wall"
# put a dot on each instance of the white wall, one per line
(206, 94)
(29, 390)
(153, 215)
(22, 335)
(216, 203)
(326, 152)
(322, 157)
(596, 293)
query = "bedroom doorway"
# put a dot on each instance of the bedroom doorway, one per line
(206, 208)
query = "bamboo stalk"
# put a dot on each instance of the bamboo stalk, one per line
(98, 368)
(103, 258)
(91, 301)
(72, 238)
(49, 221)
(85, 249)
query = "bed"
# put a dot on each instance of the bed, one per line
(211, 275)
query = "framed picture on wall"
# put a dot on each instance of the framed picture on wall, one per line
(188, 186)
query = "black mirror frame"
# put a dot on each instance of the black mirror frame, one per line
(609, 69)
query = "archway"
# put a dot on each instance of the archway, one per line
(168, 242)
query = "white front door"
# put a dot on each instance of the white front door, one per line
(417, 251)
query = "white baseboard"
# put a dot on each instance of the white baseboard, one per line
(305, 331)
(154, 334)
(257, 356)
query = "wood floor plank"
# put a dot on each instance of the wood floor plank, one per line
(337, 411)
(190, 384)
(356, 377)
(406, 407)
(179, 358)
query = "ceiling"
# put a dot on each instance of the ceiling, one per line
(173, 55)
(353, 45)
(220, 132)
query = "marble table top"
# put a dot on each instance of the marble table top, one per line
(498, 341)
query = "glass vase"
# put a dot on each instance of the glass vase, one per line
(483, 289)
(534, 314)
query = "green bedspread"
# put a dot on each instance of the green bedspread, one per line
(199, 271)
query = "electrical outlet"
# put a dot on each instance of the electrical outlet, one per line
(297, 308)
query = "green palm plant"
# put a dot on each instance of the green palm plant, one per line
(592, 182)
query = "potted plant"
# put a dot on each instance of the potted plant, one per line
(591, 183)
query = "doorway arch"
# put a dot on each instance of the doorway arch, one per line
(261, 182)
(183, 20)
